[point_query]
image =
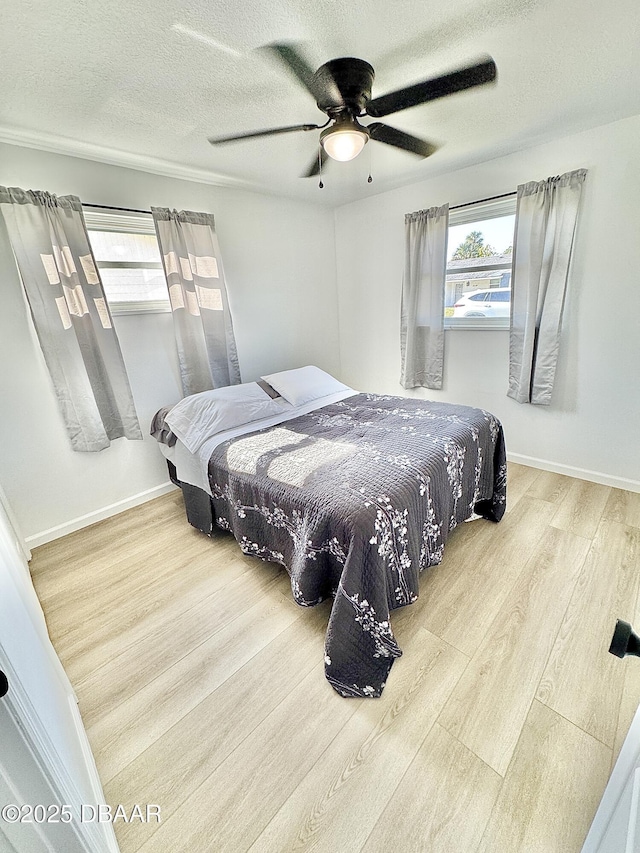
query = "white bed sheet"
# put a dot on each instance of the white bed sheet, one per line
(193, 468)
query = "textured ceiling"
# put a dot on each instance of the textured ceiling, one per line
(146, 82)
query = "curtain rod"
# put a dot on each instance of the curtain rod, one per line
(110, 207)
(148, 212)
(481, 200)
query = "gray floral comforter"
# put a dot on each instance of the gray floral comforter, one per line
(356, 499)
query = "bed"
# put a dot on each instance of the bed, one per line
(354, 493)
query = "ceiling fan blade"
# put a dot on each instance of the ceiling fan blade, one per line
(295, 63)
(221, 140)
(430, 90)
(314, 168)
(399, 139)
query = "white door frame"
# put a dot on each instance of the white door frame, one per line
(30, 767)
(32, 772)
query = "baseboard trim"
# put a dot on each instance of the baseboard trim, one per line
(97, 515)
(579, 473)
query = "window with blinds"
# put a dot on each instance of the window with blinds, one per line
(127, 254)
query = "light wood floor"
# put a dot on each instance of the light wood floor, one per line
(202, 688)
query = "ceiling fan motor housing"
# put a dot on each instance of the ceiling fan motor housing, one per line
(343, 83)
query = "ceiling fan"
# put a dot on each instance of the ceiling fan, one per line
(342, 90)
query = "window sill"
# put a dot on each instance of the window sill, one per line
(489, 324)
(120, 308)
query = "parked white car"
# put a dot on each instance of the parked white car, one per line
(495, 302)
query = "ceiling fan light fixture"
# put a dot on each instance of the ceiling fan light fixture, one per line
(344, 140)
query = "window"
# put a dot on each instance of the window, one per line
(500, 296)
(127, 255)
(478, 282)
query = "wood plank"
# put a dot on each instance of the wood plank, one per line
(442, 804)
(462, 598)
(69, 555)
(582, 508)
(582, 681)
(237, 800)
(338, 802)
(177, 763)
(121, 735)
(488, 708)
(107, 567)
(520, 478)
(128, 628)
(551, 790)
(550, 487)
(623, 507)
(130, 663)
(194, 572)
(126, 568)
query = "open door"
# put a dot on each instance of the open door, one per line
(45, 758)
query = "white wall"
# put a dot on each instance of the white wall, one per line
(279, 258)
(592, 428)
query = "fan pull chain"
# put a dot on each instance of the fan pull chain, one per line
(369, 179)
(321, 185)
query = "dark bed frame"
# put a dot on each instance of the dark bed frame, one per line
(198, 504)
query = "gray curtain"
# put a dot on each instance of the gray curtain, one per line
(546, 219)
(198, 294)
(71, 316)
(422, 315)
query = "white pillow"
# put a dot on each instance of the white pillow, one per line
(196, 418)
(304, 384)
